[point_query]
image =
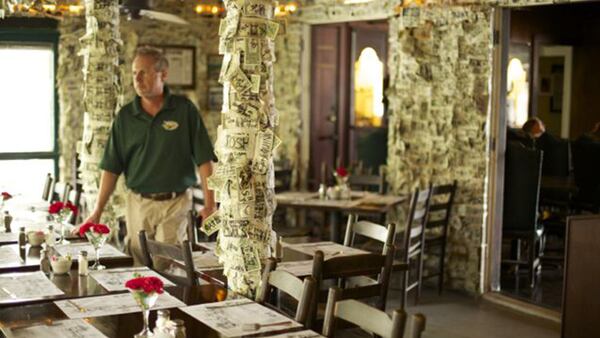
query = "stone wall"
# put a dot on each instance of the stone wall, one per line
(439, 78)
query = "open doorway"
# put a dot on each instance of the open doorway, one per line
(546, 72)
(348, 106)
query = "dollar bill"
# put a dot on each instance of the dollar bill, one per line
(251, 258)
(239, 81)
(255, 79)
(272, 29)
(212, 224)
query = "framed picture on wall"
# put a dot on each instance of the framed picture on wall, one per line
(182, 65)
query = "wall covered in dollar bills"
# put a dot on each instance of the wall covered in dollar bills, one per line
(439, 62)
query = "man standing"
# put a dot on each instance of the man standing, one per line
(159, 143)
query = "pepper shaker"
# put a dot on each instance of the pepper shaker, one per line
(82, 263)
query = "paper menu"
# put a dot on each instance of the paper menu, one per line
(297, 268)
(70, 328)
(114, 279)
(27, 285)
(239, 317)
(111, 305)
(330, 249)
(73, 249)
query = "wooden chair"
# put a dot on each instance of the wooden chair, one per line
(374, 183)
(438, 219)
(283, 182)
(521, 202)
(413, 243)
(74, 197)
(168, 253)
(367, 229)
(340, 269)
(302, 291)
(369, 319)
(48, 187)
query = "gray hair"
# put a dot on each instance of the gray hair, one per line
(160, 61)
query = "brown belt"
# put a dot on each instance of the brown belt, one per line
(162, 196)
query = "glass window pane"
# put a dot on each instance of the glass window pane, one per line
(368, 89)
(27, 87)
(25, 177)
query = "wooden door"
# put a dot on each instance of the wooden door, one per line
(328, 96)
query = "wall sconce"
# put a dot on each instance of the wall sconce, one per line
(209, 9)
(49, 8)
(284, 9)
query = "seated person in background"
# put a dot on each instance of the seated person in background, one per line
(534, 127)
(593, 135)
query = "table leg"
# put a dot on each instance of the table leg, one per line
(335, 225)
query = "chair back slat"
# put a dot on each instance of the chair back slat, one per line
(370, 319)
(368, 229)
(169, 253)
(303, 291)
(48, 186)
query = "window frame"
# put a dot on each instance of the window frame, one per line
(32, 37)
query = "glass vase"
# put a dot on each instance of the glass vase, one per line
(97, 241)
(60, 219)
(145, 301)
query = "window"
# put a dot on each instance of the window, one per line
(28, 122)
(368, 89)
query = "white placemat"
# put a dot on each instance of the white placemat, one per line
(297, 268)
(330, 249)
(9, 237)
(70, 328)
(239, 317)
(73, 249)
(8, 256)
(298, 334)
(114, 279)
(111, 305)
(27, 285)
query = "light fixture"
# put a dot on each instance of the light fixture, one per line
(51, 8)
(209, 9)
(285, 8)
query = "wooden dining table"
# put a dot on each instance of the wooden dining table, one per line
(127, 325)
(361, 202)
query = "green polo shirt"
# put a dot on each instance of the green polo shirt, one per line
(160, 153)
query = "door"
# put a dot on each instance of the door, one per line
(554, 88)
(328, 96)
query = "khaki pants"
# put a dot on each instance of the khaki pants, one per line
(164, 221)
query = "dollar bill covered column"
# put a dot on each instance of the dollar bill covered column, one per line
(243, 178)
(102, 87)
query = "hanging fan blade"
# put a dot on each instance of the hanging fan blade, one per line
(162, 16)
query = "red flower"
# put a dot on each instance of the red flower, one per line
(56, 207)
(341, 172)
(146, 284)
(85, 228)
(93, 227)
(6, 196)
(101, 228)
(72, 207)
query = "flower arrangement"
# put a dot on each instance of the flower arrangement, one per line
(146, 285)
(62, 209)
(145, 291)
(6, 196)
(94, 229)
(341, 175)
(97, 234)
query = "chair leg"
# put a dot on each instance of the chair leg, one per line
(441, 267)
(419, 277)
(404, 286)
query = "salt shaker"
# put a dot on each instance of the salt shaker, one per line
(45, 262)
(7, 221)
(22, 243)
(322, 191)
(178, 328)
(162, 321)
(82, 263)
(50, 236)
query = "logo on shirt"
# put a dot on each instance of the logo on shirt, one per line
(170, 125)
